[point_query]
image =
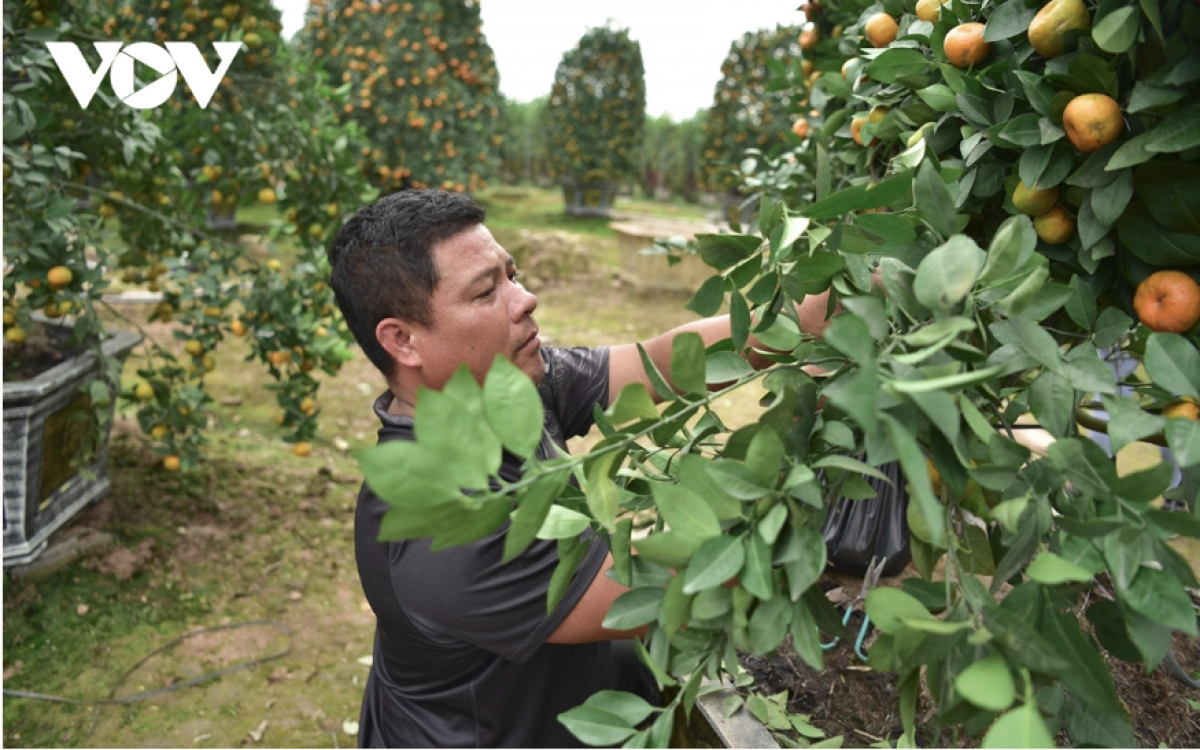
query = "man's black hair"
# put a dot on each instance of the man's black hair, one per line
(383, 264)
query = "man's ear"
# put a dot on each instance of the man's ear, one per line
(396, 338)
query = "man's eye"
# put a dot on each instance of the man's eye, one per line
(487, 294)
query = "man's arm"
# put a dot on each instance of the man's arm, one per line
(625, 364)
(583, 624)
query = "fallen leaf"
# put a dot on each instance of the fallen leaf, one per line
(201, 737)
(81, 610)
(257, 734)
(367, 660)
(279, 675)
(350, 728)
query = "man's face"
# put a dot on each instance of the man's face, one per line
(479, 310)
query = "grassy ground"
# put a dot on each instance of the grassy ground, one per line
(259, 533)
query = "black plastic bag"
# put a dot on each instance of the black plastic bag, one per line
(858, 530)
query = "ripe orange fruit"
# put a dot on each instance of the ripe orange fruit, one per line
(159, 431)
(1168, 301)
(59, 276)
(1033, 201)
(302, 448)
(806, 67)
(266, 195)
(171, 463)
(1182, 410)
(1092, 121)
(238, 328)
(800, 128)
(1053, 21)
(964, 45)
(809, 38)
(881, 30)
(1054, 227)
(876, 115)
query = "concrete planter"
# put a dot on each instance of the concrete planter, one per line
(41, 490)
(712, 729)
(589, 198)
(650, 271)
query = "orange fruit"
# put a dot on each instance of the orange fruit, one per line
(930, 10)
(302, 448)
(1092, 121)
(881, 30)
(59, 276)
(1168, 301)
(159, 431)
(194, 348)
(876, 115)
(171, 463)
(809, 38)
(1033, 201)
(15, 336)
(935, 477)
(1054, 227)
(964, 45)
(1053, 21)
(800, 128)
(1182, 410)
(144, 391)
(806, 67)
(238, 328)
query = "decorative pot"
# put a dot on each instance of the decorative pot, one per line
(41, 489)
(589, 198)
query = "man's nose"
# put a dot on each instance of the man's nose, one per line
(524, 304)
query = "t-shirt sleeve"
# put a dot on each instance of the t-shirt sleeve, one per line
(577, 380)
(467, 593)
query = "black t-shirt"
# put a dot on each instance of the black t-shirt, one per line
(460, 657)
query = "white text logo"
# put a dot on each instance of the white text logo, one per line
(178, 58)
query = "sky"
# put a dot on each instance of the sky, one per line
(683, 41)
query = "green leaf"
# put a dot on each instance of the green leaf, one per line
(513, 407)
(1178, 132)
(1088, 676)
(1111, 326)
(933, 199)
(1050, 569)
(945, 276)
(1024, 131)
(724, 250)
(1118, 30)
(1145, 97)
(562, 523)
(1030, 338)
(656, 378)
(987, 683)
(725, 367)
(1008, 20)
(1183, 435)
(803, 572)
(533, 506)
(564, 572)
(716, 561)
(1081, 305)
(887, 608)
(687, 363)
(1171, 192)
(1022, 727)
(1154, 243)
(939, 96)
(667, 548)
(686, 512)
(764, 457)
(595, 726)
(1173, 363)
(1127, 423)
(912, 461)
(1132, 152)
(407, 474)
(1011, 246)
(694, 475)
(1052, 401)
(633, 402)
(739, 320)
(1110, 201)
(769, 624)
(804, 636)
(1156, 594)
(634, 608)
(603, 496)
(708, 298)
(897, 63)
(442, 418)
(756, 574)
(630, 707)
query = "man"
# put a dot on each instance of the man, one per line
(465, 653)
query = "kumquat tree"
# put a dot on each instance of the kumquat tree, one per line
(594, 118)
(422, 86)
(105, 195)
(1002, 199)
